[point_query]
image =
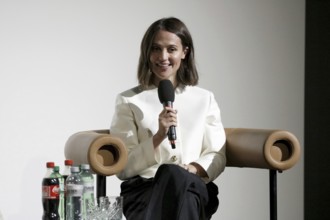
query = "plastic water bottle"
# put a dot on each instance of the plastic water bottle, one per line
(50, 195)
(67, 169)
(74, 193)
(56, 174)
(88, 194)
(66, 172)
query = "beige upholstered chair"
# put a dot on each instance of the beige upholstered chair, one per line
(275, 150)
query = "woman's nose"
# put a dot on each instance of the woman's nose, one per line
(164, 55)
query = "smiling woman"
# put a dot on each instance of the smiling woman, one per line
(162, 181)
(166, 55)
(167, 48)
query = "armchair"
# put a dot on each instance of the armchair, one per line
(275, 150)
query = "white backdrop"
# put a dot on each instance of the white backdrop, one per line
(63, 62)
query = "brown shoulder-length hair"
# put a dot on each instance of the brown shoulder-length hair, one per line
(187, 73)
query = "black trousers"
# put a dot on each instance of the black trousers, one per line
(174, 194)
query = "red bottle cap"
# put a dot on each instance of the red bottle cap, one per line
(68, 162)
(50, 164)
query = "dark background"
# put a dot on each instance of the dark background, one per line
(317, 105)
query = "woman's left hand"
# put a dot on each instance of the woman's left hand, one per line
(189, 167)
(194, 168)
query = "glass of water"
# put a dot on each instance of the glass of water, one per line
(109, 208)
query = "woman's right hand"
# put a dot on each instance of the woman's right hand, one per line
(166, 119)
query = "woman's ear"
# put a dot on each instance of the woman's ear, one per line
(185, 51)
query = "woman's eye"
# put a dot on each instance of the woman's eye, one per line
(155, 48)
(172, 49)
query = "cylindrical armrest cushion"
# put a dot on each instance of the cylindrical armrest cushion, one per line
(106, 154)
(261, 148)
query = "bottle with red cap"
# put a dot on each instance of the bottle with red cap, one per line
(67, 168)
(66, 172)
(50, 194)
(49, 169)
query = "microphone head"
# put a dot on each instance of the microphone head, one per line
(165, 91)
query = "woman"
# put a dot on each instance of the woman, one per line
(161, 182)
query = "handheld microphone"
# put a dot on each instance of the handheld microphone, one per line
(166, 97)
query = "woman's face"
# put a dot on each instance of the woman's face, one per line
(166, 55)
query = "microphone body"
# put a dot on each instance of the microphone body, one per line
(171, 134)
(166, 97)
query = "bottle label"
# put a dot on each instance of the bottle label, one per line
(50, 192)
(89, 188)
(74, 190)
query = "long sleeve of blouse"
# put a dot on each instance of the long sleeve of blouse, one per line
(200, 133)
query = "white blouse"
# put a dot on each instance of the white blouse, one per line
(200, 133)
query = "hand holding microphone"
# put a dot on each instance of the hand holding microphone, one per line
(166, 97)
